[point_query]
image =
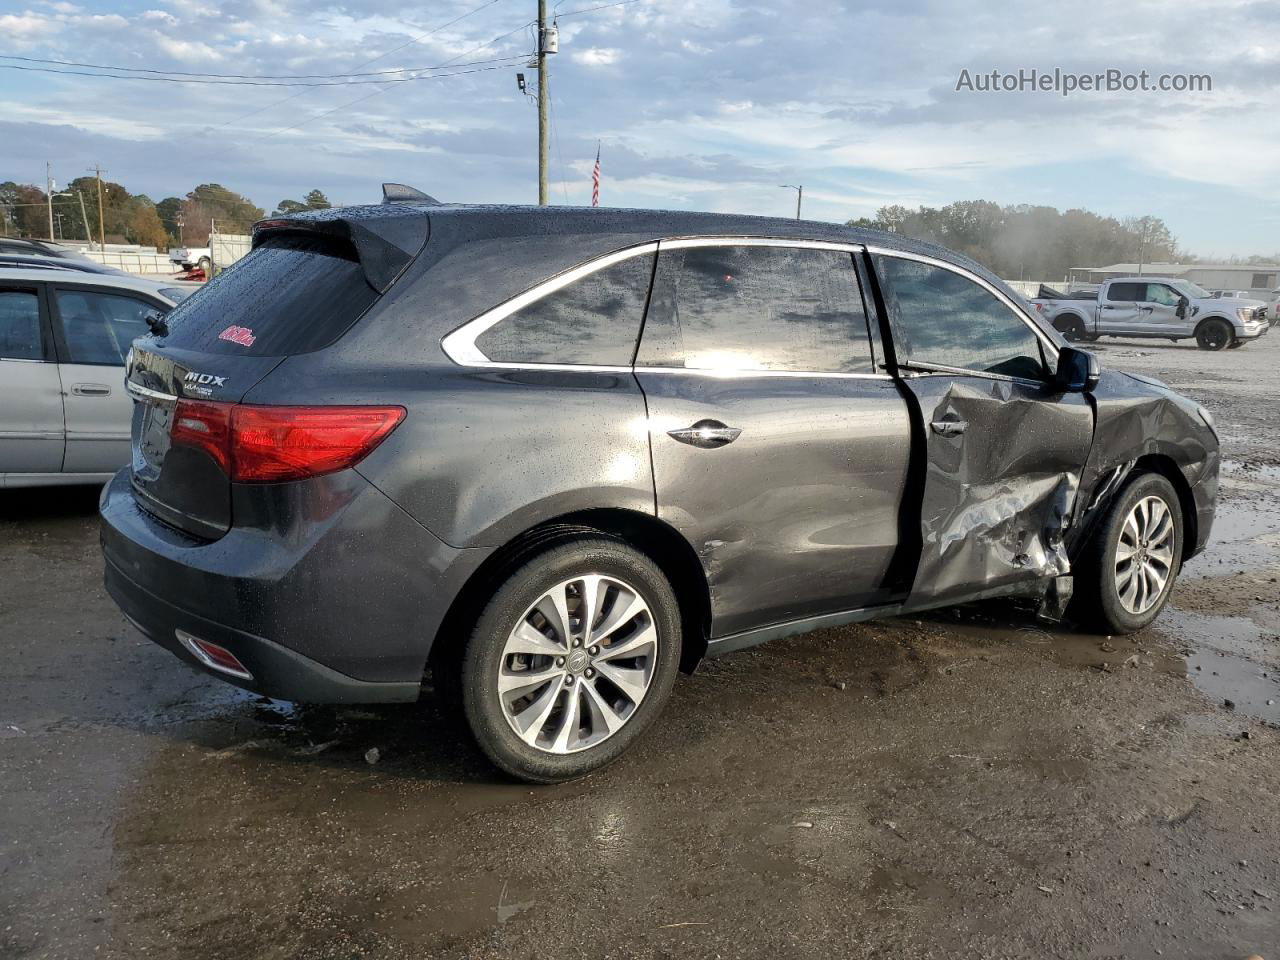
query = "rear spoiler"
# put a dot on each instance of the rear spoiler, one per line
(386, 239)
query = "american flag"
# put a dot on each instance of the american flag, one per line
(595, 180)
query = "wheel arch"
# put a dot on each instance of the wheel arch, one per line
(1200, 324)
(655, 538)
(1167, 467)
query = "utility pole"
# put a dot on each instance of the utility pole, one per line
(85, 217)
(542, 103)
(48, 193)
(102, 226)
(799, 189)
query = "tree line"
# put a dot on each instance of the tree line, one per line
(135, 217)
(1022, 241)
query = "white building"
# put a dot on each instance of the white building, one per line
(1260, 279)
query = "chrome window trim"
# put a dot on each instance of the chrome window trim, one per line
(679, 243)
(744, 372)
(145, 393)
(460, 345)
(970, 275)
(25, 360)
(941, 369)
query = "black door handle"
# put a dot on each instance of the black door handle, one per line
(949, 428)
(707, 434)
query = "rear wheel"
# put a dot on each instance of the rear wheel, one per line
(1126, 572)
(1071, 328)
(572, 658)
(1214, 335)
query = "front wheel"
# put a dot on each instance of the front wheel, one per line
(573, 657)
(1126, 572)
(1214, 335)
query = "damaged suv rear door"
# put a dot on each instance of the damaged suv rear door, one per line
(1003, 444)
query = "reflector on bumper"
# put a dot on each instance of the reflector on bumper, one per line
(213, 656)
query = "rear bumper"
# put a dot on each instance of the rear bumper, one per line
(325, 589)
(276, 671)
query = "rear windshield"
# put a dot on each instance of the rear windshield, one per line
(292, 294)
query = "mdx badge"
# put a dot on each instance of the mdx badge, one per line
(200, 383)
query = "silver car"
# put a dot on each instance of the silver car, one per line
(64, 335)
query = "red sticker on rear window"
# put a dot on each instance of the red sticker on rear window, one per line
(241, 335)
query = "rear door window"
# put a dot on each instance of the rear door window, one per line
(1126, 292)
(594, 320)
(98, 327)
(20, 335)
(792, 309)
(291, 294)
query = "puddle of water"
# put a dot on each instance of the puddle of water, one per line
(1229, 659)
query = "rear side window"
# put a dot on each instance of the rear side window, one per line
(99, 327)
(1126, 292)
(292, 294)
(20, 337)
(940, 317)
(790, 309)
(595, 320)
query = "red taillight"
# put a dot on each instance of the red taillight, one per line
(273, 444)
(290, 443)
(205, 426)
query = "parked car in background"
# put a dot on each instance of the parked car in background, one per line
(24, 246)
(554, 455)
(170, 291)
(192, 258)
(64, 336)
(1156, 307)
(33, 261)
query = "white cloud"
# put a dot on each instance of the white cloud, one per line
(597, 56)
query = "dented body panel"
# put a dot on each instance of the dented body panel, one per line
(1141, 419)
(1003, 468)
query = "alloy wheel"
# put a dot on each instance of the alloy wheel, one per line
(578, 664)
(1144, 555)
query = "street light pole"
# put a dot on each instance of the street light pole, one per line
(799, 189)
(542, 103)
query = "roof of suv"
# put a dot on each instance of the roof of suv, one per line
(478, 220)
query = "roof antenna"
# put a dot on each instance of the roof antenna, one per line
(400, 193)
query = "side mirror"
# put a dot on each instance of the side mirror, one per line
(1078, 370)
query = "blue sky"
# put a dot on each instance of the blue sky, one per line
(698, 104)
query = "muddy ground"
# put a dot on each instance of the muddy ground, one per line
(968, 785)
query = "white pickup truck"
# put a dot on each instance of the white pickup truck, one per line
(1159, 307)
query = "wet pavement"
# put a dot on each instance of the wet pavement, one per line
(965, 785)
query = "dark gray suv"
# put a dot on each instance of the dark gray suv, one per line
(553, 456)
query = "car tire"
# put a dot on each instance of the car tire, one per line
(571, 718)
(1072, 330)
(1119, 594)
(1214, 335)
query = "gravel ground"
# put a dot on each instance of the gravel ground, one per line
(967, 785)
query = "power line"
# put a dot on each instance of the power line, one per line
(370, 96)
(233, 76)
(381, 56)
(603, 6)
(264, 83)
